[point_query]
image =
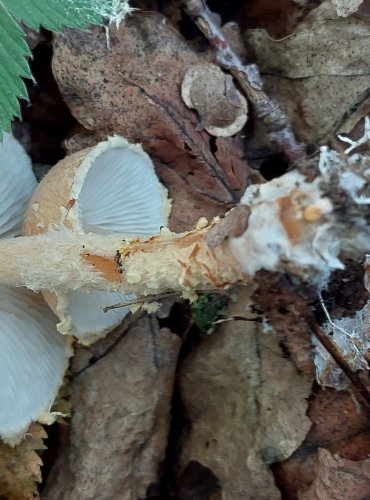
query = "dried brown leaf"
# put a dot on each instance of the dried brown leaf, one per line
(121, 395)
(20, 467)
(319, 74)
(340, 425)
(278, 303)
(133, 89)
(246, 403)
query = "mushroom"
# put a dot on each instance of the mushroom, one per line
(33, 356)
(109, 188)
(222, 109)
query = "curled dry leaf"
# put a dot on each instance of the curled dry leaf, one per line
(246, 404)
(20, 467)
(133, 89)
(319, 74)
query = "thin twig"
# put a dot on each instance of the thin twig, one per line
(237, 318)
(340, 329)
(141, 300)
(329, 345)
(249, 80)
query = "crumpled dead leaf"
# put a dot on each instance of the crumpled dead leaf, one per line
(338, 478)
(20, 467)
(319, 74)
(134, 89)
(246, 404)
(121, 398)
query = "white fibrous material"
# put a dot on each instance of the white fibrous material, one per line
(352, 337)
(300, 226)
(16, 186)
(289, 222)
(114, 10)
(33, 360)
(352, 175)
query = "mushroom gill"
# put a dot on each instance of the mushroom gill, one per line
(33, 356)
(16, 187)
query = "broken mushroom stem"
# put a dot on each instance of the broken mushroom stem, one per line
(66, 260)
(249, 80)
(288, 227)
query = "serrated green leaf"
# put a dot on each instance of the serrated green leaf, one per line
(53, 14)
(13, 53)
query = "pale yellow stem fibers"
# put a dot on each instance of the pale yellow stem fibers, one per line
(69, 261)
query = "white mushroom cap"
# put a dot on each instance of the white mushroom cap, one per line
(110, 188)
(33, 356)
(16, 185)
(33, 360)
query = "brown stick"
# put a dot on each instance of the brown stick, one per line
(330, 346)
(249, 80)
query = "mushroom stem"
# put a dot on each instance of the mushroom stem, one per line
(289, 224)
(66, 260)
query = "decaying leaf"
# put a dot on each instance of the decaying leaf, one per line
(319, 74)
(20, 467)
(278, 304)
(346, 7)
(134, 89)
(246, 405)
(121, 395)
(340, 425)
(338, 478)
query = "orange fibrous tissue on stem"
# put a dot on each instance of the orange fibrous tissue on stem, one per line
(106, 266)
